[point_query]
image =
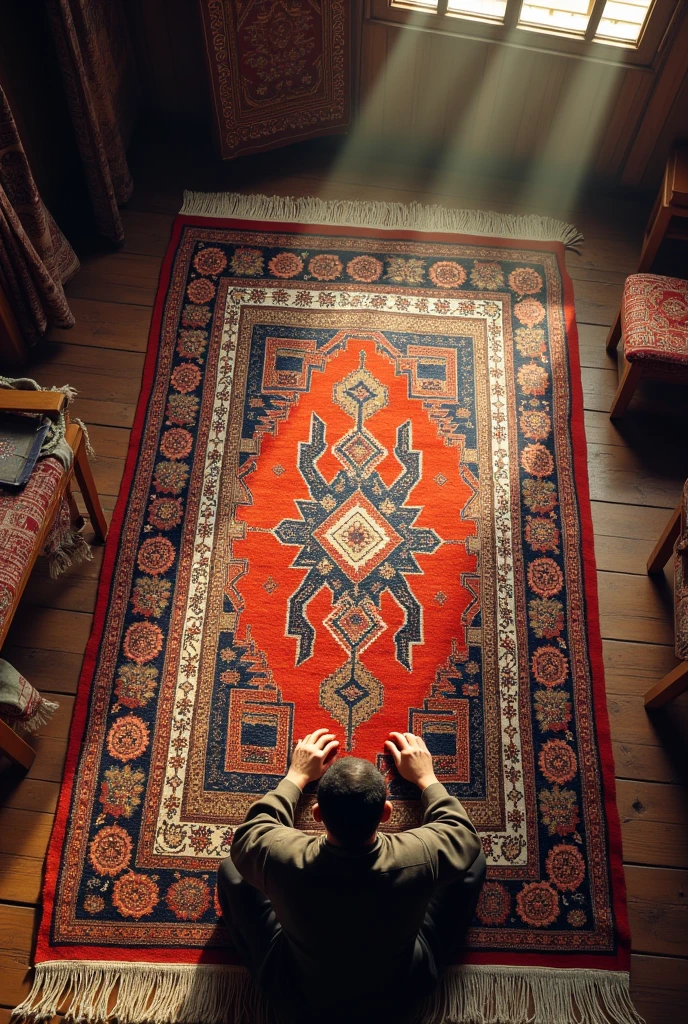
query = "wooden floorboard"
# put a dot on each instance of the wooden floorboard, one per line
(105, 324)
(637, 468)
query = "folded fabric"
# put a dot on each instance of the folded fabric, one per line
(54, 442)
(20, 704)
(21, 439)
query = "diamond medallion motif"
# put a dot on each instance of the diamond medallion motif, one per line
(355, 624)
(357, 537)
(359, 452)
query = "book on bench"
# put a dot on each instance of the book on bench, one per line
(21, 440)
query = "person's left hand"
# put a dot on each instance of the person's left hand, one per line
(312, 757)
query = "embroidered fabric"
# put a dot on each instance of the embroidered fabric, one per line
(654, 319)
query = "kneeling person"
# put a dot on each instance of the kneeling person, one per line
(356, 923)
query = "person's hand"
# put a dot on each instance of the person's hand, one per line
(312, 757)
(412, 758)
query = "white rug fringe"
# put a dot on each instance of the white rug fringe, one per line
(142, 993)
(45, 711)
(350, 213)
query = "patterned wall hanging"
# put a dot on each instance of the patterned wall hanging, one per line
(280, 71)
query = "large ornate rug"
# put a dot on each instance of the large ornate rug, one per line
(356, 496)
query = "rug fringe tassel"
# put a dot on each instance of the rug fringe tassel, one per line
(531, 995)
(45, 711)
(140, 993)
(349, 213)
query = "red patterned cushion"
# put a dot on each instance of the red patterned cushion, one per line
(22, 515)
(654, 318)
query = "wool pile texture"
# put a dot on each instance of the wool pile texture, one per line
(356, 496)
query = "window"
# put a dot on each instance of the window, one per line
(493, 10)
(619, 23)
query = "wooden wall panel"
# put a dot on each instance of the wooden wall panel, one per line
(633, 95)
(509, 110)
(665, 117)
(168, 42)
(373, 59)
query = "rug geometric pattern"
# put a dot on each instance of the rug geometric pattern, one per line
(356, 497)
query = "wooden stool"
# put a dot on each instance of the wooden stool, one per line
(37, 504)
(654, 320)
(674, 539)
(671, 202)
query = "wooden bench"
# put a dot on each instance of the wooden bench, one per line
(54, 486)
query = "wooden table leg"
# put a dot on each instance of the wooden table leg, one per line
(614, 335)
(74, 513)
(673, 683)
(653, 238)
(629, 382)
(665, 545)
(87, 486)
(14, 747)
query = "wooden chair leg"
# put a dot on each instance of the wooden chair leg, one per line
(653, 238)
(673, 683)
(14, 747)
(665, 545)
(74, 513)
(87, 486)
(629, 382)
(614, 335)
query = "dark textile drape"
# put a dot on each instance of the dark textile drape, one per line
(35, 257)
(99, 76)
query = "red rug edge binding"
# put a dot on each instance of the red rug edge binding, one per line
(619, 962)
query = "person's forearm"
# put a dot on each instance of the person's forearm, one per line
(427, 780)
(275, 810)
(440, 805)
(455, 842)
(298, 778)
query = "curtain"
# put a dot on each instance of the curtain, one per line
(35, 257)
(99, 77)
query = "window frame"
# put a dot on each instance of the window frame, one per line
(661, 19)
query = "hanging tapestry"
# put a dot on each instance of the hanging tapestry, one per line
(279, 71)
(35, 257)
(100, 82)
(356, 496)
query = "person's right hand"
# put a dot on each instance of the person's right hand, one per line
(412, 758)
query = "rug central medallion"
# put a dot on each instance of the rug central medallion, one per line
(357, 537)
(353, 525)
(360, 544)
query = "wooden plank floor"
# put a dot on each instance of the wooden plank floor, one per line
(636, 473)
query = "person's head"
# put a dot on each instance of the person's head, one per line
(352, 801)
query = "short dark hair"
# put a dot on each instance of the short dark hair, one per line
(352, 795)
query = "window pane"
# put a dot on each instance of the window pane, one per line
(565, 6)
(478, 8)
(568, 16)
(427, 5)
(623, 22)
